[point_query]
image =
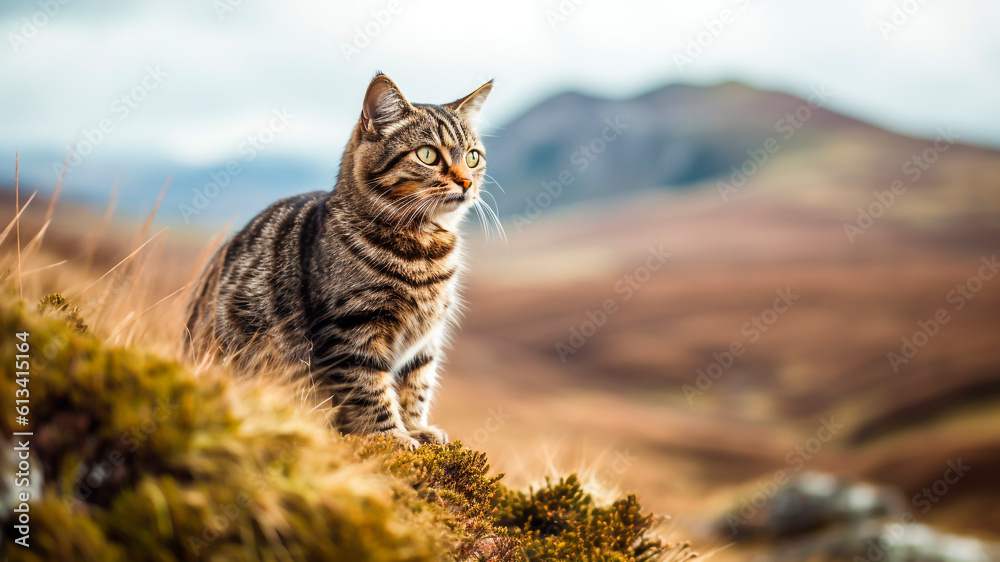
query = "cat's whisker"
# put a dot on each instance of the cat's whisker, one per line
(496, 221)
(402, 214)
(482, 219)
(487, 220)
(432, 208)
(428, 207)
(493, 216)
(484, 192)
(494, 180)
(412, 210)
(404, 217)
(487, 223)
(388, 207)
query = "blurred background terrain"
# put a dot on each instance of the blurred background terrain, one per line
(724, 268)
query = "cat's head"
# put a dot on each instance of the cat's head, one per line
(419, 161)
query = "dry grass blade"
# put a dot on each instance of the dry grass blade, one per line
(206, 253)
(43, 268)
(126, 259)
(55, 194)
(133, 321)
(124, 323)
(13, 222)
(152, 214)
(36, 242)
(94, 242)
(126, 289)
(17, 223)
(129, 286)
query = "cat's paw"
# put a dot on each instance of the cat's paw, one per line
(402, 437)
(429, 434)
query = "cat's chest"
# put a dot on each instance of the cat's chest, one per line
(431, 313)
(431, 308)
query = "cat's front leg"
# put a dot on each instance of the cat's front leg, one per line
(416, 382)
(370, 405)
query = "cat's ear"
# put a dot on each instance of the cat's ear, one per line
(384, 104)
(470, 105)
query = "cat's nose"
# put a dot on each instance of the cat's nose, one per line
(463, 177)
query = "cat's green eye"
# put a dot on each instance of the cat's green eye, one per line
(472, 158)
(427, 155)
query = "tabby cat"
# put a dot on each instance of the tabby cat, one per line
(358, 286)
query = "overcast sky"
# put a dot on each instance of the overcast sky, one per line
(216, 71)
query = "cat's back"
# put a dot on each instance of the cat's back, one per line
(256, 286)
(274, 229)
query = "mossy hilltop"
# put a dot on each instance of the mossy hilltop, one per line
(135, 457)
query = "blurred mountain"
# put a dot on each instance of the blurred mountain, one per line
(674, 136)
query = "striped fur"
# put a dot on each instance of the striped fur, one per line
(358, 287)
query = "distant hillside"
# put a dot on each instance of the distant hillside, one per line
(674, 136)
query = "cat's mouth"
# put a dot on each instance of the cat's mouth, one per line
(462, 198)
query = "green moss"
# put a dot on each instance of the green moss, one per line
(559, 521)
(60, 306)
(451, 485)
(137, 458)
